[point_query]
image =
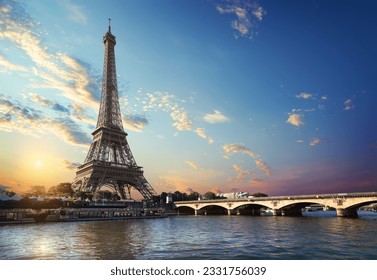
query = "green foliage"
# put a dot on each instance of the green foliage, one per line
(62, 189)
(259, 194)
(36, 191)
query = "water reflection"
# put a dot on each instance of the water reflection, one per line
(316, 236)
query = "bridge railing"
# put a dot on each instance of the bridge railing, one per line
(292, 197)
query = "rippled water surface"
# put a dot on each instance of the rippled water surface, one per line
(318, 235)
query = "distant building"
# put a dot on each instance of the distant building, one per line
(233, 195)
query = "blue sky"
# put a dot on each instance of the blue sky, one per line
(260, 96)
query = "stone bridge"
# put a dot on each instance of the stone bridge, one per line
(345, 204)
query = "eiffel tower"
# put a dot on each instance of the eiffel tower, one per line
(109, 162)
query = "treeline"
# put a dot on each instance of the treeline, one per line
(54, 197)
(30, 198)
(178, 196)
(62, 189)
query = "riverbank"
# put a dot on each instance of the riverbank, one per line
(25, 216)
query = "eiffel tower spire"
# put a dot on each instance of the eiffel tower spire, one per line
(109, 162)
(109, 112)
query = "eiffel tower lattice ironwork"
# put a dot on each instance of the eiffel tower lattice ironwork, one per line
(109, 161)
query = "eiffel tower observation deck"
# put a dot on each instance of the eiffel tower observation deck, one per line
(109, 164)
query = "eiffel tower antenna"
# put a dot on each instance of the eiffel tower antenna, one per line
(109, 162)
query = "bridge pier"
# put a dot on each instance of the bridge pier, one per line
(229, 212)
(196, 212)
(276, 212)
(347, 213)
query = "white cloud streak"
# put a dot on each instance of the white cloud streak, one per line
(304, 95)
(348, 105)
(192, 164)
(216, 117)
(231, 149)
(247, 13)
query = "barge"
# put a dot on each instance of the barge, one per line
(66, 214)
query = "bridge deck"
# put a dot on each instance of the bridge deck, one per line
(292, 197)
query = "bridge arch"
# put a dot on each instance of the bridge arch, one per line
(346, 204)
(185, 210)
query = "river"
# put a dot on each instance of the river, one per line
(315, 236)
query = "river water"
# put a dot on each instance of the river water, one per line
(317, 235)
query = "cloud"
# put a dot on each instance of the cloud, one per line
(315, 141)
(6, 66)
(135, 122)
(348, 105)
(72, 166)
(181, 120)
(241, 173)
(14, 116)
(263, 166)
(168, 103)
(75, 12)
(202, 134)
(304, 95)
(216, 117)
(80, 115)
(29, 121)
(231, 149)
(192, 164)
(48, 103)
(70, 131)
(235, 149)
(163, 101)
(295, 119)
(59, 108)
(247, 13)
(48, 69)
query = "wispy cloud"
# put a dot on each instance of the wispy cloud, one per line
(202, 134)
(304, 95)
(29, 121)
(6, 66)
(319, 140)
(163, 101)
(216, 117)
(231, 149)
(64, 75)
(50, 69)
(70, 131)
(72, 166)
(295, 119)
(315, 141)
(235, 149)
(75, 12)
(192, 164)
(135, 122)
(247, 13)
(348, 105)
(170, 104)
(241, 173)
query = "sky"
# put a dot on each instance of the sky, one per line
(278, 97)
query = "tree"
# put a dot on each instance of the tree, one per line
(64, 189)
(37, 191)
(193, 196)
(209, 195)
(259, 194)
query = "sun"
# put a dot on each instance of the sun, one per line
(38, 164)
